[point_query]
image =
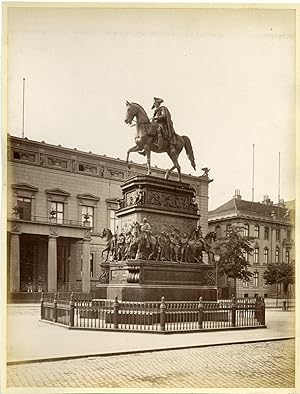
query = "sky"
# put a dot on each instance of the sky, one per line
(227, 77)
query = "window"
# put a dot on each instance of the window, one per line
(278, 234)
(277, 254)
(246, 230)
(87, 211)
(266, 256)
(24, 205)
(288, 235)
(113, 221)
(287, 256)
(246, 255)
(246, 295)
(256, 231)
(267, 233)
(245, 283)
(256, 256)
(255, 279)
(58, 207)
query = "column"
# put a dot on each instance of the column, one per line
(52, 264)
(74, 266)
(85, 278)
(14, 274)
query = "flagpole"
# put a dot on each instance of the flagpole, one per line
(279, 178)
(253, 172)
(23, 110)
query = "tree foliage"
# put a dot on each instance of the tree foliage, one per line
(232, 260)
(280, 273)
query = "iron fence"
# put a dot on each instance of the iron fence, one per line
(161, 317)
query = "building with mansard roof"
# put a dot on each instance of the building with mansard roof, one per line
(269, 226)
(58, 202)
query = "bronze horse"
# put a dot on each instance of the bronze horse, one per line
(196, 247)
(110, 242)
(146, 134)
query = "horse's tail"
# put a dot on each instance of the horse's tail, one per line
(189, 150)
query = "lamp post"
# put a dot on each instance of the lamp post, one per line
(217, 259)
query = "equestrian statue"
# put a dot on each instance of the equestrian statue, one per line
(157, 135)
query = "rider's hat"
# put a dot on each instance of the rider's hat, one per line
(157, 100)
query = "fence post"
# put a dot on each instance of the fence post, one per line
(233, 311)
(163, 314)
(200, 313)
(42, 305)
(263, 312)
(116, 313)
(71, 321)
(55, 308)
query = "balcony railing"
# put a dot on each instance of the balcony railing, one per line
(47, 220)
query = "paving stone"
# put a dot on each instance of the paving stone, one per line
(264, 364)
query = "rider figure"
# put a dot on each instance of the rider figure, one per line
(146, 232)
(162, 117)
(197, 236)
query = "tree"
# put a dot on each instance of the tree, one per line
(282, 273)
(233, 262)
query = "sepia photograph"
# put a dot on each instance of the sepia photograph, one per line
(149, 194)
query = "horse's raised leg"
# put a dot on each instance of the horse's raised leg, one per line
(148, 154)
(133, 149)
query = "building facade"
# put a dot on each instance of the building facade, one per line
(270, 228)
(59, 200)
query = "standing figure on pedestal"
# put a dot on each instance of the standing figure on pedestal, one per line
(146, 231)
(114, 250)
(174, 245)
(161, 246)
(183, 247)
(140, 195)
(121, 245)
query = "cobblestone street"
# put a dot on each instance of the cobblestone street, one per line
(266, 364)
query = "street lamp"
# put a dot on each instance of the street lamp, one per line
(217, 259)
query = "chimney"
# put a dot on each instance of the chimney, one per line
(267, 200)
(237, 194)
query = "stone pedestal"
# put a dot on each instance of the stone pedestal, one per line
(171, 210)
(162, 202)
(144, 280)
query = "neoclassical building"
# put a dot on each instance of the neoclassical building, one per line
(58, 202)
(270, 228)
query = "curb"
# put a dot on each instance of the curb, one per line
(128, 352)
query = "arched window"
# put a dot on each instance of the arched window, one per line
(277, 254)
(287, 256)
(266, 256)
(246, 230)
(255, 279)
(256, 256)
